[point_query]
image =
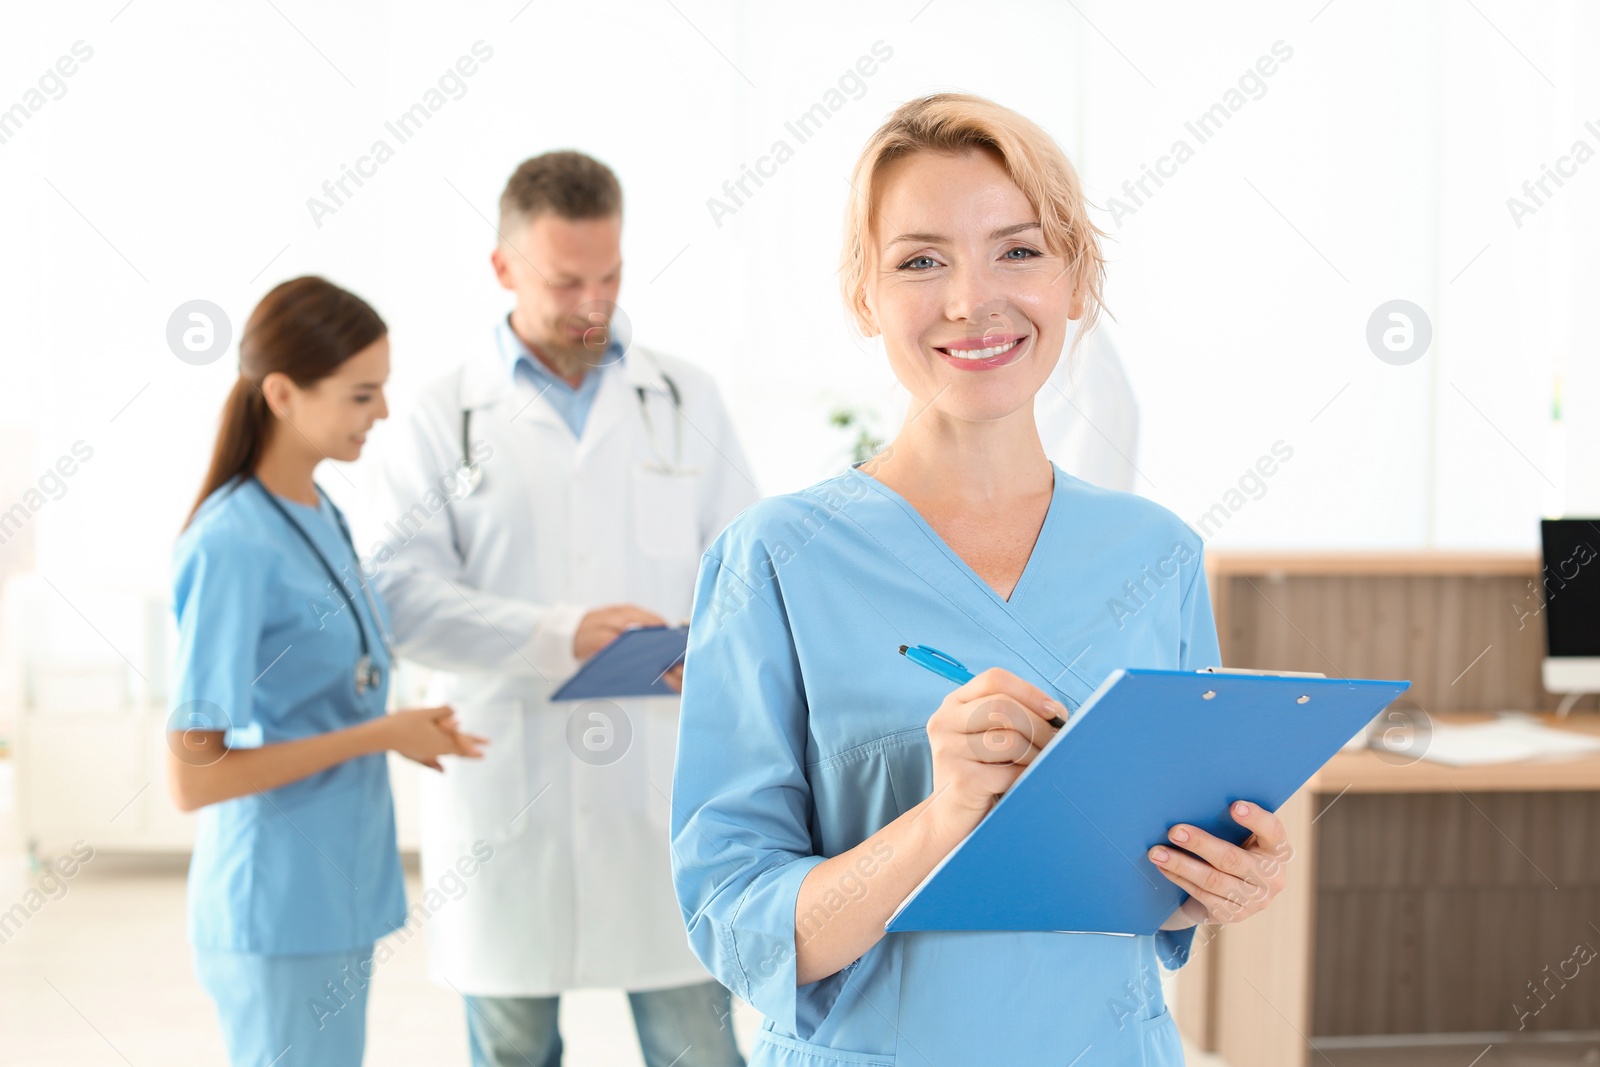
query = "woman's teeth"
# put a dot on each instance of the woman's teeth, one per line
(983, 353)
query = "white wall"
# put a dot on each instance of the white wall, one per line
(1375, 165)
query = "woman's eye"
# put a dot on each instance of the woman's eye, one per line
(1030, 253)
(363, 398)
(915, 259)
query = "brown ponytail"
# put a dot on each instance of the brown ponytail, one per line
(304, 328)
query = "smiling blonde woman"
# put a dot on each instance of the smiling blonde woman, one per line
(820, 776)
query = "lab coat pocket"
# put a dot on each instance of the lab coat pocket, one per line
(664, 513)
(490, 795)
(661, 754)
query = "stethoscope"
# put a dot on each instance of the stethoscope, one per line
(470, 475)
(368, 674)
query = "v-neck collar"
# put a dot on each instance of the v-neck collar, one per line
(1052, 519)
(1018, 625)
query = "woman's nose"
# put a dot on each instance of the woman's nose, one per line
(974, 296)
(983, 313)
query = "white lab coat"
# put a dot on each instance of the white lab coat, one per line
(1088, 417)
(488, 588)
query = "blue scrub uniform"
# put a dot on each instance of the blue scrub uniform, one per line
(290, 888)
(803, 732)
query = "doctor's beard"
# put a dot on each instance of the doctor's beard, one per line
(570, 352)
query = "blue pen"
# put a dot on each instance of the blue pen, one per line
(949, 667)
(937, 662)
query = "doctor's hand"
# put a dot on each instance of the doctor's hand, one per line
(599, 627)
(424, 734)
(1225, 882)
(982, 737)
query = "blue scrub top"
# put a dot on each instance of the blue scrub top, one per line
(803, 732)
(267, 651)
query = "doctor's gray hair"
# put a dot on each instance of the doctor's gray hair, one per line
(567, 184)
(305, 329)
(959, 123)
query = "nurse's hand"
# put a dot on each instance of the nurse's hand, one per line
(982, 737)
(599, 627)
(1225, 882)
(674, 678)
(424, 734)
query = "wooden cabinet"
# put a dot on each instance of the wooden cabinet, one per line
(1423, 899)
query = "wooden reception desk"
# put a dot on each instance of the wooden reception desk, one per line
(1423, 899)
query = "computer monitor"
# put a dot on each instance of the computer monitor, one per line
(1571, 580)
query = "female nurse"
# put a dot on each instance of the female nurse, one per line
(278, 732)
(821, 776)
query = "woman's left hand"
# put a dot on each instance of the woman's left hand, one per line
(1225, 882)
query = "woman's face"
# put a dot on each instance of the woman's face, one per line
(332, 416)
(973, 310)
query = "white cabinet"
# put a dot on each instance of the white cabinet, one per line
(101, 779)
(87, 777)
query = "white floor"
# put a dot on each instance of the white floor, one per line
(101, 976)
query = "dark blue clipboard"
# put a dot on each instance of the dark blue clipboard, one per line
(1067, 847)
(630, 666)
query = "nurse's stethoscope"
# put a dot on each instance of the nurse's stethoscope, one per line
(368, 674)
(470, 474)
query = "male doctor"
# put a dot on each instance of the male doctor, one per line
(555, 489)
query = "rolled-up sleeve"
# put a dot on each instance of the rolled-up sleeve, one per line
(741, 811)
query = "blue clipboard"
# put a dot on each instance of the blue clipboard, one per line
(1067, 847)
(630, 666)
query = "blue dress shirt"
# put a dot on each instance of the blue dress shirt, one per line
(572, 404)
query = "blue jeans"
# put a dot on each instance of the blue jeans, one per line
(688, 1026)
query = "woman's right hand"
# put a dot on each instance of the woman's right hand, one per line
(424, 734)
(982, 737)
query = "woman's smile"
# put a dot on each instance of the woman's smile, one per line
(984, 353)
